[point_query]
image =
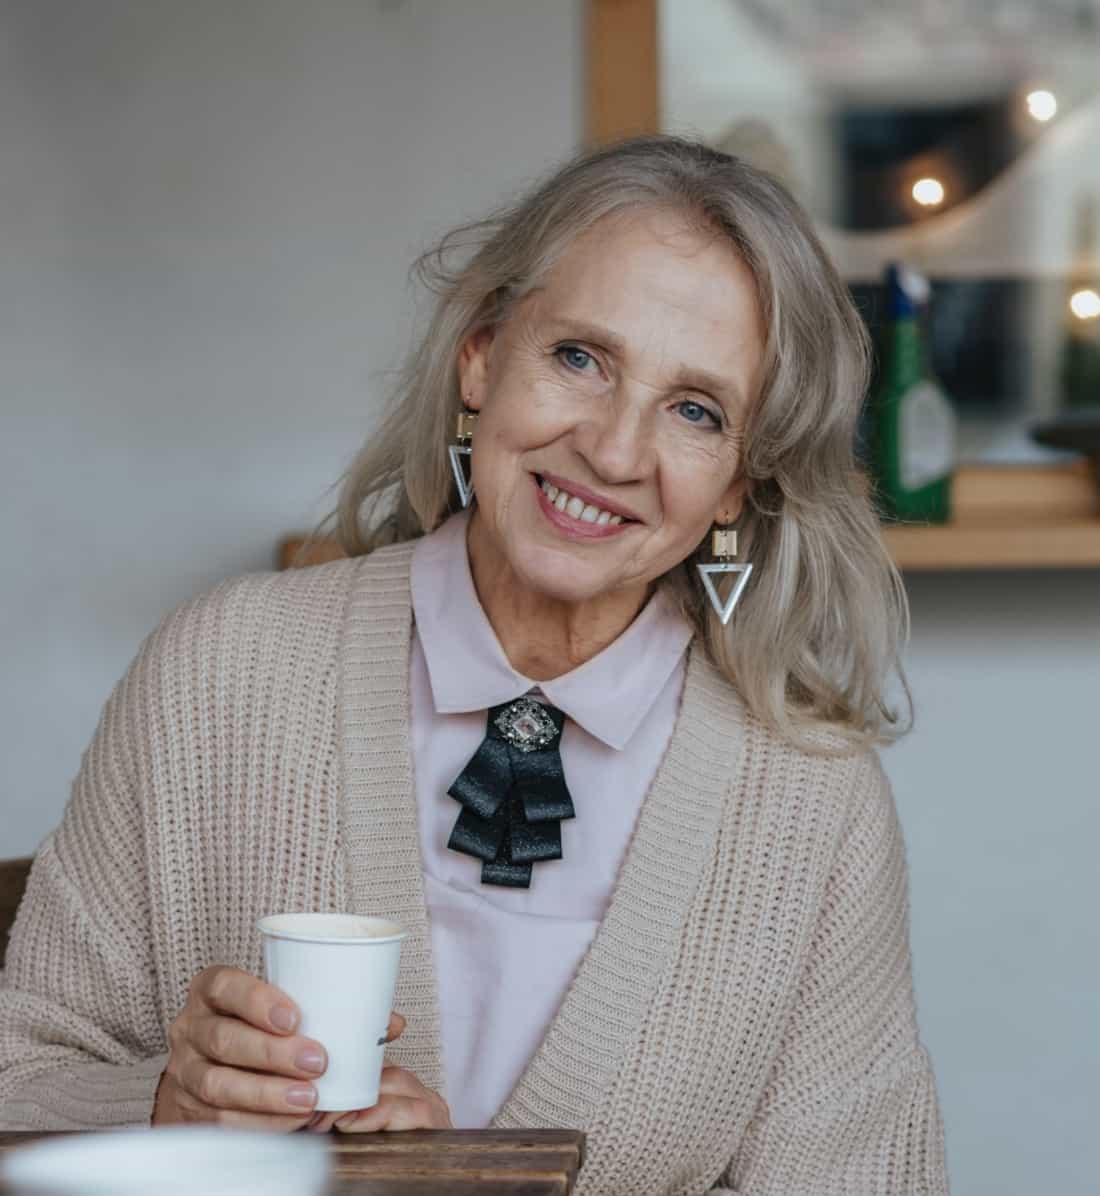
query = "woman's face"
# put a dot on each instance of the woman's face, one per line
(612, 406)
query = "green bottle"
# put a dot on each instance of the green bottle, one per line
(913, 444)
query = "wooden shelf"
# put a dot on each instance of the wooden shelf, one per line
(1009, 517)
(969, 546)
(1005, 517)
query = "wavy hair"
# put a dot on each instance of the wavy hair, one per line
(816, 641)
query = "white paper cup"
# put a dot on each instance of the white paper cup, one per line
(170, 1161)
(340, 970)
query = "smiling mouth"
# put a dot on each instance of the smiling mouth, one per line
(576, 508)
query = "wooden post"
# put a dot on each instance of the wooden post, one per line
(622, 68)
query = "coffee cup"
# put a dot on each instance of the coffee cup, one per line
(341, 972)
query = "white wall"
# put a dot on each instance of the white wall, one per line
(206, 214)
(999, 793)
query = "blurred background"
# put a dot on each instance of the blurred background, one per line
(207, 214)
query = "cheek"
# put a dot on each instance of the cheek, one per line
(694, 477)
(494, 460)
(526, 413)
(510, 427)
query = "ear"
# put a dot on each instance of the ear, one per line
(473, 368)
(732, 503)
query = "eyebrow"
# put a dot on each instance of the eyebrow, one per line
(688, 377)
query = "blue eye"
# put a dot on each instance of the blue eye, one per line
(570, 354)
(696, 413)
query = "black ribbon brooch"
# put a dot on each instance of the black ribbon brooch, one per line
(513, 794)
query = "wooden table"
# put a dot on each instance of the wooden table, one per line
(455, 1162)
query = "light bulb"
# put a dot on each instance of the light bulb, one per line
(928, 192)
(1041, 105)
(1085, 304)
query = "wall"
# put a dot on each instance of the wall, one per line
(208, 213)
(997, 789)
(202, 263)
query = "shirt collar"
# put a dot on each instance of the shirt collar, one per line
(608, 695)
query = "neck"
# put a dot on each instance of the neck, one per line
(542, 636)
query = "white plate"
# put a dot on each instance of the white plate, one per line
(170, 1162)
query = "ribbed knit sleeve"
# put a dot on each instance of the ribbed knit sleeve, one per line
(851, 1108)
(207, 798)
(81, 1042)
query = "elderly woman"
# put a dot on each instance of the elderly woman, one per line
(591, 709)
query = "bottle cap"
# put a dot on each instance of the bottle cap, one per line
(906, 290)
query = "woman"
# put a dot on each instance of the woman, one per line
(650, 864)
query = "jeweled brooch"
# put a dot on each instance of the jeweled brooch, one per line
(526, 725)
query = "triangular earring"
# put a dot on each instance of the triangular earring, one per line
(467, 421)
(724, 610)
(724, 547)
(457, 453)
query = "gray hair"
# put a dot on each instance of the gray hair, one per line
(817, 636)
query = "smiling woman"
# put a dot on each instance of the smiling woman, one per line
(649, 864)
(657, 332)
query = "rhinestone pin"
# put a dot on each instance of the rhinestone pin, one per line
(526, 725)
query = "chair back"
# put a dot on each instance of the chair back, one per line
(13, 880)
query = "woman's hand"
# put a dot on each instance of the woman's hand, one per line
(403, 1104)
(236, 1060)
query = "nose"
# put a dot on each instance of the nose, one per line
(617, 441)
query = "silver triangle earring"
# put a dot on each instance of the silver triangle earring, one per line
(467, 422)
(724, 549)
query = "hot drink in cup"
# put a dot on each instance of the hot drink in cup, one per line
(341, 971)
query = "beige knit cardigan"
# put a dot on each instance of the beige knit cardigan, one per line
(743, 1020)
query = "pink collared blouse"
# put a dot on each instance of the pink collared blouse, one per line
(504, 957)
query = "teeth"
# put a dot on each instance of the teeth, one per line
(578, 508)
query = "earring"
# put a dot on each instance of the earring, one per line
(724, 549)
(467, 422)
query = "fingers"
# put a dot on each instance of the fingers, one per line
(395, 1113)
(245, 1092)
(254, 1121)
(176, 1106)
(235, 1059)
(323, 1122)
(399, 1081)
(403, 1104)
(231, 991)
(234, 1043)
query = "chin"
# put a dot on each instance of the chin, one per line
(563, 580)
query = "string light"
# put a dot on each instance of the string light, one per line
(928, 192)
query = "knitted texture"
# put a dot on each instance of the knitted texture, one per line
(743, 1020)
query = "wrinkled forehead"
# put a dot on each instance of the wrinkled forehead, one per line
(659, 292)
(677, 231)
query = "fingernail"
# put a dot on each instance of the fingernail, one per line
(283, 1017)
(310, 1059)
(342, 1123)
(303, 1096)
